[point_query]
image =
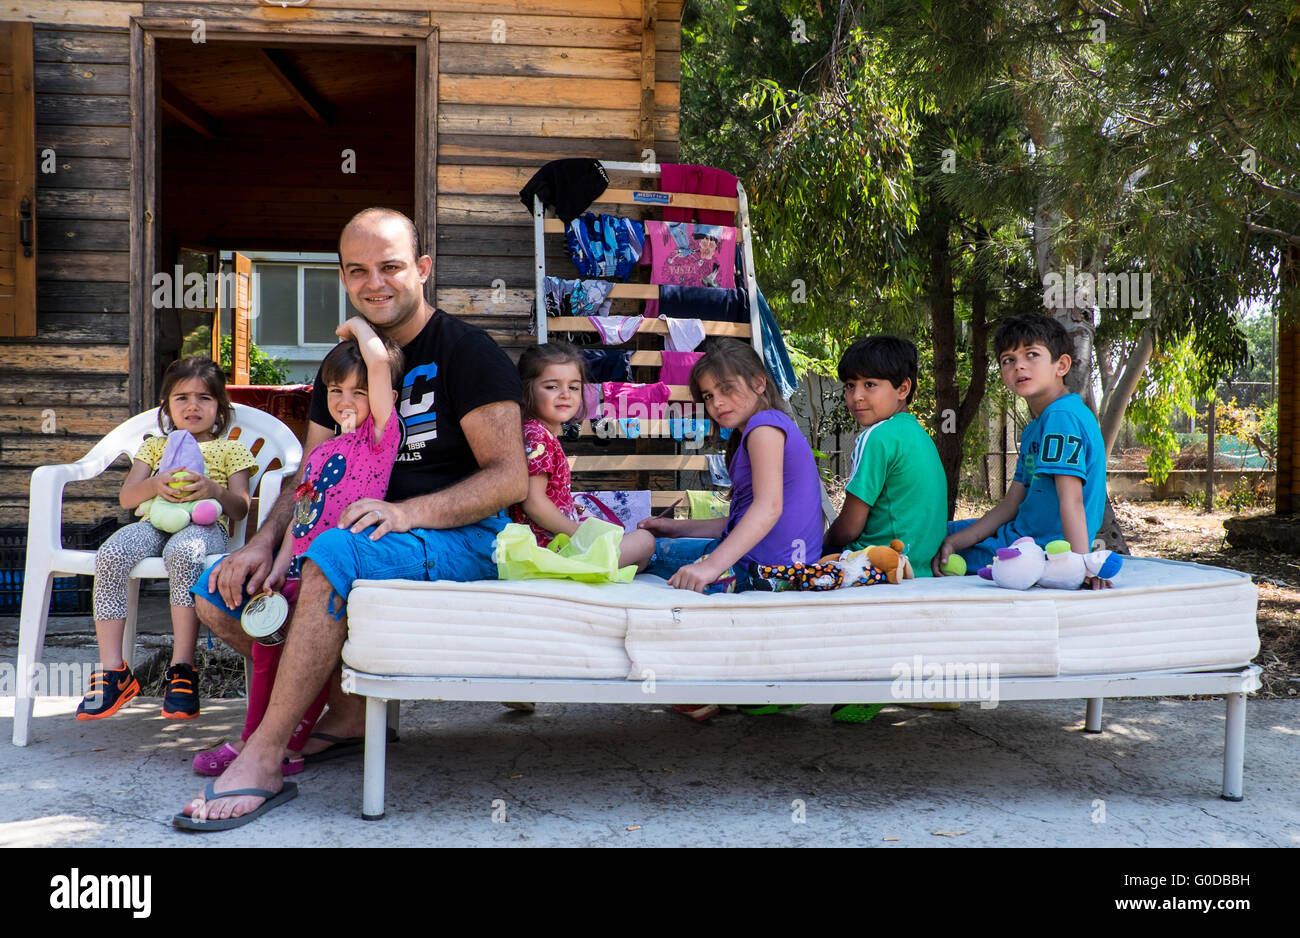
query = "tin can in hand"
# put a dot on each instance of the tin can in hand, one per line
(264, 617)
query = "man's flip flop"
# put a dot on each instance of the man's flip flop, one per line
(273, 800)
(340, 746)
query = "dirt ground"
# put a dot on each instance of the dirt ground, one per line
(1171, 530)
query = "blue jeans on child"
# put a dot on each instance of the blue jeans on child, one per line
(977, 555)
(673, 553)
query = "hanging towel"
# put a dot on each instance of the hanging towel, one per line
(657, 393)
(700, 180)
(700, 303)
(718, 474)
(683, 334)
(604, 245)
(591, 400)
(615, 330)
(691, 255)
(567, 185)
(707, 505)
(775, 355)
(677, 367)
(688, 428)
(606, 364)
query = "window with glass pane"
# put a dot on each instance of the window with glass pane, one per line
(320, 304)
(276, 321)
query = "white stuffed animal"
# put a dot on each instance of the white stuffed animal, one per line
(1017, 567)
(1025, 564)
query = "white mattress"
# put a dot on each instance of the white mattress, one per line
(1161, 616)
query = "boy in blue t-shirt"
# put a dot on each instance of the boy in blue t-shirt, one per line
(1059, 490)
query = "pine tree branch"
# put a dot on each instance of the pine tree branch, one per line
(1275, 232)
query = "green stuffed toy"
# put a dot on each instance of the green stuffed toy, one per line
(182, 457)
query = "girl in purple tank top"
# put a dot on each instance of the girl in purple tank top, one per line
(775, 515)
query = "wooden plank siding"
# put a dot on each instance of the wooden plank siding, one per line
(490, 141)
(66, 386)
(519, 82)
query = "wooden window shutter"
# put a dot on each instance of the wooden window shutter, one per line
(240, 320)
(17, 182)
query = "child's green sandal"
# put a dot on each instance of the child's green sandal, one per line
(855, 713)
(762, 710)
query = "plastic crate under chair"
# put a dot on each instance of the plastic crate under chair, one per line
(71, 595)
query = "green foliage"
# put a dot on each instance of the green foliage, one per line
(1255, 427)
(1125, 154)
(1168, 386)
(262, 368)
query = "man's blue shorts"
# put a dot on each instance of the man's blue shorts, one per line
(457, 554)
(977, 555)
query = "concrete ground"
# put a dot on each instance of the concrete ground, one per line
(464, 774)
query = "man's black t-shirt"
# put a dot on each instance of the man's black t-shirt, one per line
(452, 368)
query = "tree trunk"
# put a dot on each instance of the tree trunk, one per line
(943, 333)
(1112, 416)
(1209, 455)
(1077, 320)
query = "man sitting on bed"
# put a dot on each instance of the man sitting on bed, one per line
(459, 467)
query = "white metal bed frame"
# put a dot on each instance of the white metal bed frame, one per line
(385, 692)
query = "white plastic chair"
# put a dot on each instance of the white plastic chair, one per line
(47, 557)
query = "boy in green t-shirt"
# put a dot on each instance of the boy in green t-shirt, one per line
(897, 487)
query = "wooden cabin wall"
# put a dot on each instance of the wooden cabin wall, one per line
(571, 78)
(573, 86)
(66, 387)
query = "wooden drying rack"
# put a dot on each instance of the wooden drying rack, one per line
(647, 198)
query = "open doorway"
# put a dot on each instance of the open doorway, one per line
(264, 152)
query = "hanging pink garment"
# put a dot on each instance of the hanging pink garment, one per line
(700, 180)
(656, 393)
(688, 255)
(677, 367)
(591, 400)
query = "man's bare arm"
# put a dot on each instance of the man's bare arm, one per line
(495, 435)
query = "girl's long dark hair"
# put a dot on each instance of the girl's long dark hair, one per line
(214, 380)
(534, 361)
(728, 359)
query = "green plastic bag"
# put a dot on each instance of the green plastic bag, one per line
(590, 556)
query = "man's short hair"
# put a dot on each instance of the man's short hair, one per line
(882, 357)
(1016, 331)
(377, 210)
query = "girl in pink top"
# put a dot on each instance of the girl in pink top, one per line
(359, 376)
(552, 379)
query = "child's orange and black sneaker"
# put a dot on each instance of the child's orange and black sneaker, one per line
(109, 690)
(181, 699)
